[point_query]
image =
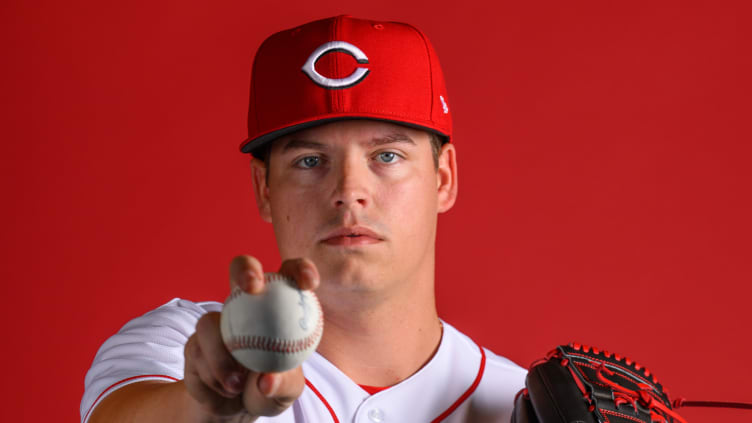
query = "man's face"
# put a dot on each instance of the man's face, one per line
(360, 198)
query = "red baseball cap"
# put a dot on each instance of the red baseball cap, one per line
(345, 68)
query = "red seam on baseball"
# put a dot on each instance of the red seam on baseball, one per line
(264, 343)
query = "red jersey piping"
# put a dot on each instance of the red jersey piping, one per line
(469, 391)
(86, 417)
(323, 400)
(372, 390)
(443, 415)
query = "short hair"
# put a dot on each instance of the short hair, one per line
(437, 141)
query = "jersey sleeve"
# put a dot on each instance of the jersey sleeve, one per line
(149, 347)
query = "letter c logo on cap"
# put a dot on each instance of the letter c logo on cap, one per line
(309, 68)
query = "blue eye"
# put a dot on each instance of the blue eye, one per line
(309, 162)
(388, 156)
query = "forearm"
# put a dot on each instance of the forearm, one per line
(153, 401)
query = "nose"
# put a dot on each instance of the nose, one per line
(351, 187)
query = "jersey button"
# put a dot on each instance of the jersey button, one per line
(376, 415)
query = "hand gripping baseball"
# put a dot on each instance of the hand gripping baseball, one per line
(223, 387)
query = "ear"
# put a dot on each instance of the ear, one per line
(261, 188)
(446, 177)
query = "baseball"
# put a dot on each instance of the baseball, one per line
(273, 331)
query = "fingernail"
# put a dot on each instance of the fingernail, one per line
(268, 385)
(250, 281)
(235, 383)
(255, 283)
(309, 273)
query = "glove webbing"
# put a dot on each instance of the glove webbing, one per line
(623, 395)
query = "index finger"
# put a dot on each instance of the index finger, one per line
(247, 274)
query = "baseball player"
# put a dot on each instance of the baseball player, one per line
(352, 165)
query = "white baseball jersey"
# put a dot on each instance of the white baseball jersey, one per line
(463, 382)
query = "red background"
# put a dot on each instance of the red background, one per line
(604, 178)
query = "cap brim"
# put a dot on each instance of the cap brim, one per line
(249, 145)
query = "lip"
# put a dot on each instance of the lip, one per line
(352, 235)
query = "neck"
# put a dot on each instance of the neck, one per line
(381, 340)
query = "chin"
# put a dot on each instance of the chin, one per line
(351, 272)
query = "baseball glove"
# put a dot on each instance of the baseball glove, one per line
(578, 384)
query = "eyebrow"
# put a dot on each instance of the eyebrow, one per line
(297, 144)
(395, 137)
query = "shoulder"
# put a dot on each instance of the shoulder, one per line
(178, 309)
(463, 345)
(502, 376)
(177, 306)
(168, 325)
(495, 366)
(174, 320)
(498, 381)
